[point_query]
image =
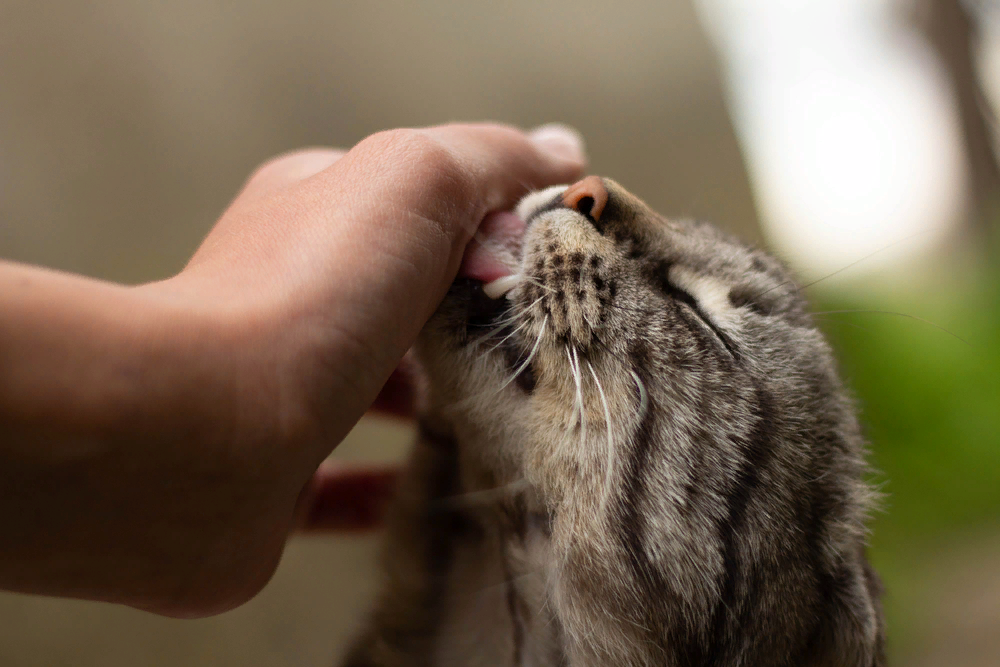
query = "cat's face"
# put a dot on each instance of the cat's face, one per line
(658, 395)
(623, 326)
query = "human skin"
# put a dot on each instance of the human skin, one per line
(159, 443)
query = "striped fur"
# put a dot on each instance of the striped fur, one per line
(674, 478)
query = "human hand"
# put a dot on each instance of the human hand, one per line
(317, 279)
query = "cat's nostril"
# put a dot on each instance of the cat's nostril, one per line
(588, 197)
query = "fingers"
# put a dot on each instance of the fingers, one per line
(407, 202)
(346, 500)
(456, 174)
(501, 164)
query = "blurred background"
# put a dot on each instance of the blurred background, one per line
(853, 137)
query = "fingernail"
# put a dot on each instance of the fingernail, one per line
(560, 141)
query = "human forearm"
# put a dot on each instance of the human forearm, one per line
(85, 365)
(118, 409)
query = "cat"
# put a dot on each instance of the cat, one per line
(638, 453)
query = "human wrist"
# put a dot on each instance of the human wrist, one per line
(132, 461)
(208, 361)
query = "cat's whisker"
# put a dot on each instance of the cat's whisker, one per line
(848, 324)
(493, 325)
(513, 316)
(599, 557)
(529, 279)
(572, 374)
(498, 330)
(508, 336)
(484, 497)
(578, 378)
(531, 355)
(643, 396)
(500, 326)
(608, 474)
(495, 330)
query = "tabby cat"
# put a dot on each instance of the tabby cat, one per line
(639, 453)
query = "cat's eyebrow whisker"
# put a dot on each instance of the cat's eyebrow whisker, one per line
(889, 312)
(866, 257)
(611, 448)
(531, 355)
(848, 324)
(849, 266)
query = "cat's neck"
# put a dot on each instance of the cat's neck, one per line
(496, 592)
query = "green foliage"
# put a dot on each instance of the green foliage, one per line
(930, 404)
(927, 380)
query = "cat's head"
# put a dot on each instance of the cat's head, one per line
(657, 392)
(621, 326)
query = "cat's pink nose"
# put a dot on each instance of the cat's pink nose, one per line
(587, 196)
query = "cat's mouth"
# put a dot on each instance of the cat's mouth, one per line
(489, 325)
(490, 269)
(495, 250)
(490, 262)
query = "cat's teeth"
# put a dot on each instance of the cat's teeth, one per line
(497, 288)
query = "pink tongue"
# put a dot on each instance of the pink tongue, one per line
(497, 230)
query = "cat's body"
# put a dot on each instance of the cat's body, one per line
(643, 456)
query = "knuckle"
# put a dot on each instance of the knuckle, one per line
(293, 166)
(418, 158)
(270, 167)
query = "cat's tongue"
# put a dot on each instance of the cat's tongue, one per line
(497, 230)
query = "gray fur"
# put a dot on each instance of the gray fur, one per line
(719, 519)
